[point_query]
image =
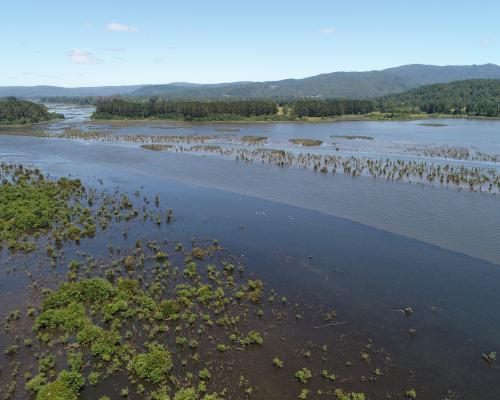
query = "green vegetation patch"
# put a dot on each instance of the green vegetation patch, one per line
(307, 142)
(352, 137)
(254, 139)
(14, 111)
(154, 365)
(434, 125)
(156, 147)
(31, 204)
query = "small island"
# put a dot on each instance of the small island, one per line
(14, 111)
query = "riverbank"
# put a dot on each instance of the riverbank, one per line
(285, 119)
(29, 124)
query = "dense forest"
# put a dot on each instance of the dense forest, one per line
(15, 111)
(186, 110)
(478, 97)
(332, 108)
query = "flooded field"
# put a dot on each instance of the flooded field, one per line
(377, 286)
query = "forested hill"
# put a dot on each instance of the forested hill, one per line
(479, 97)
(471, 98)
(14, 111)
(351, 85)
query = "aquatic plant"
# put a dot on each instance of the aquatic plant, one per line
(303, 375)
(154, 365)
(254, 139)
(307, 142)
(490, 358)
(156, 147)
(277, 362)
(341, 395)
(66, 387)
(352, 137)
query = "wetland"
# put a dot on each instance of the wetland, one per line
(349, 260)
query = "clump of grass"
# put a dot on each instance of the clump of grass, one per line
(156, 147)
(277, 362)
(341, 395)
(307, 142)
(433, 124)
(254, 139)
(352, 137)
(303, 375)
(274, 152)
(227, 129)
(154, 365)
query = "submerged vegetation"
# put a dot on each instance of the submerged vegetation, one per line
(156, 147)
(170, 326)
(352, 137)
(307, 142)
(35, 208)
(14, 111)
(475, 178)
(159, 319)
(254, 139)
(31, 205)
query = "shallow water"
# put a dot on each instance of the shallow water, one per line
(461, 221)
(285, 223)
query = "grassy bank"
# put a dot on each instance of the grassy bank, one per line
(375, 116)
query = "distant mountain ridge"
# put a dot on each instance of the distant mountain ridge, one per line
(368, 84)
(46, 91)
(333, 85)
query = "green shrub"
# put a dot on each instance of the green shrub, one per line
(154, 365)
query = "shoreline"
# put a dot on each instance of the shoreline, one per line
(345, 118)
(2, 125)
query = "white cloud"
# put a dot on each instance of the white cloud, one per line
(77, 56)
(328, 31)
(115, 26)
(485, 42)
(114, 49)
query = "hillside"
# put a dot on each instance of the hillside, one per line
(369, 84)
(332, 85)
(479, 97)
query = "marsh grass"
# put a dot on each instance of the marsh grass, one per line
(307, 142)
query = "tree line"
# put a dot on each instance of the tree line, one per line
(188, 110)
(476, 97)
(15, 111)
(332, 108)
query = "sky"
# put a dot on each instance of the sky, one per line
(95, 43)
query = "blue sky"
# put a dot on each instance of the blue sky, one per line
(91, 42)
